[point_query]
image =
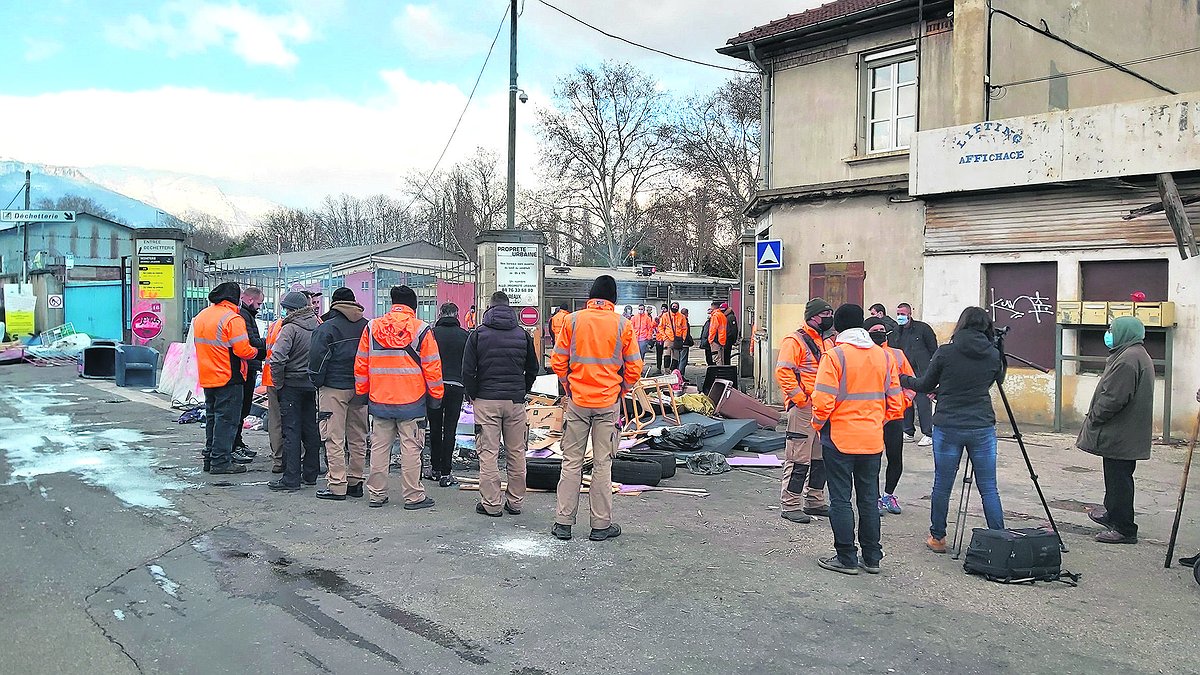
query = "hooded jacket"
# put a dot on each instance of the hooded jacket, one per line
(1120, 419)
(398, 366)
(961, 373)
(334, 345)
(499, 362)
(290, 355)
(256, 340)
(451, 339)
(856, 392)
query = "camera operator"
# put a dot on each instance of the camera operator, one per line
(960, 374)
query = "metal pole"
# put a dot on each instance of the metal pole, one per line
(512, 117)
(25, 237)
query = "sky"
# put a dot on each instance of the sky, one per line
(290, 100)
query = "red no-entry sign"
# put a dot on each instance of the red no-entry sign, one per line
(529, 316)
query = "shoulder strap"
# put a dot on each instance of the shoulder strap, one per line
(411, 351)
(812, 346)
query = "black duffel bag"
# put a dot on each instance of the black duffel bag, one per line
(686, 438)
(1016, 556)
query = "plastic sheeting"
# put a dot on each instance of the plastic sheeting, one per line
(180, 377)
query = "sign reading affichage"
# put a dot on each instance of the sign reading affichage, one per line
(517, 273)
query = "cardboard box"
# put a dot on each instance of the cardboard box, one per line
(548, 417)
(1119, 309)
(1155, 314)
(1070, 311)
(1094, 314)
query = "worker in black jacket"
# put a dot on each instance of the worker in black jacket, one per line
(499, 366)
(343, 415)
(443, 422)
(251, 301)
(918, 342)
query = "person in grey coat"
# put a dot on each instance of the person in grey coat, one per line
(1119, 426)
(297, 396)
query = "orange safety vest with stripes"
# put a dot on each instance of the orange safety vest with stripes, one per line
(857, 390)
(718, 328)
(272, 335)
(796, 370)
(557, 322)
(222, 344)
(398, 366)
(596, 356)
(674, 325)
(903, 368)
(643, 326)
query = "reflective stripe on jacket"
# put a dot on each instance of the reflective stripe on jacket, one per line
(903, 367)
(857, 390)
(556, 324)
(222, 345)
(717, 328)
(596, 357)
(796, 370)
(272, 335)
(385, 369)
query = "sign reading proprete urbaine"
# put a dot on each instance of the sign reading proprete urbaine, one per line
(517, 273)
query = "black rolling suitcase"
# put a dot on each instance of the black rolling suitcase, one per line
(1016, 556)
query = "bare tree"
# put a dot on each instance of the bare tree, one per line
(606, 144)
(73, 202)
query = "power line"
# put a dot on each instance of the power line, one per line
(10, 202)
(642, 46)
(1096, 69)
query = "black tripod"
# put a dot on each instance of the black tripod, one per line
(968, 476)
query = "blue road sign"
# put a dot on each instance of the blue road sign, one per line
(768, 254)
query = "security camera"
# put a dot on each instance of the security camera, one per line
(524, 98)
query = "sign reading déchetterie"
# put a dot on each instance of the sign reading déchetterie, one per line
(1138, 137)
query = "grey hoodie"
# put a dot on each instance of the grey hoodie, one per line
(289, 357)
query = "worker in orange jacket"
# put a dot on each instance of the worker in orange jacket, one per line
(675, 329)
(718, 336)
(400, 370)
(803, 492)
(469, 319)
(660, 339)
(644, 327)
(274, 420)
(561, 315)
(857, 391)
(222, 349)
(893, 429)
(597, 361)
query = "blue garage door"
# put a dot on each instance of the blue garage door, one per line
(94, 308)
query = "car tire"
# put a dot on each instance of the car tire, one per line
(1196, 572)
(636, 470)
(543, 474)
(666, 459)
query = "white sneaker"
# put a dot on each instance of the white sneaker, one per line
(926, 442)
(909, 438)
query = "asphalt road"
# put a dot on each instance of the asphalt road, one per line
(121, 556)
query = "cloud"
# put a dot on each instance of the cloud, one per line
(40, 49)
(425, 31)
(189, 27)
(290, 150)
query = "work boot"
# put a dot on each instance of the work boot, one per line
(207, 465)
(833, 564)
(279, 486)
(611, 532)
(232, 468)
(446, 480)
(822, 510)
(796, 516)
(376, 504)
(479, 508)
(423, 504)
(510, 510)
(562, 532)
(240, 458)
(936, 545)
(326, 494)
(354, 490)
(1114, 537)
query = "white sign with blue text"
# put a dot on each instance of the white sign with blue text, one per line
(768, 254)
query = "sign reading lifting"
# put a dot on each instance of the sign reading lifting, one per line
(517, 273)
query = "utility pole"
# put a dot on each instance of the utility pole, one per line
(512, 117)
(25, 237)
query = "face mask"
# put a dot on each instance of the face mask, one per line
(1108, 339)
(877, 336)
(902, 319)
(826, 324)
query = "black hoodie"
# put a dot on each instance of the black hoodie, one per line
(451, 340)
(961, 373)
(499, 362)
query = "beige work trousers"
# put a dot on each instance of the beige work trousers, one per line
(718, 354)
(275, 429)
(384, 432)
(578, 424)
(497, 419)
(800, 452)
(343, 431)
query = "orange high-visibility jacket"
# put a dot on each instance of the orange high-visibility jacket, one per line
(660, 326)
(222, 345)
(857, 390)
(398, 365)
(470, 319)
(796, 370)
(903, 368)
(557, 322)
(272, 335)
(717, 325)
(673, 325)
(643, 326)
(596, 357)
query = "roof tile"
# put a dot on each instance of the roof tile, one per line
(826, 12)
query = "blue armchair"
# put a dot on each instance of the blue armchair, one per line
(136, 366)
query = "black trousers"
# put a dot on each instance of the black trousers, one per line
(301, 435)
(893, 444)
(727, 353)
(708, 355)
(658, 355)
(221, 408)
(853, 479)
(247, 401)
(923, 408)
(1118, 495)
(443, 423)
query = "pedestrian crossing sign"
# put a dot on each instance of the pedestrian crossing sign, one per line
(768, 254)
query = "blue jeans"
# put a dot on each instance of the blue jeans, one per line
(844, 472)
(948, 446)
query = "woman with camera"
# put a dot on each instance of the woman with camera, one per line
(960, 375)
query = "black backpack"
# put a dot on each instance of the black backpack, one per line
(1016, 556)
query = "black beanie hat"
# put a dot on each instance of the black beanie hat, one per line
(815, 307)
(848, 316)
(227, 290)
(604, 288)
(872, 322)
(343, 294)
(403, 295)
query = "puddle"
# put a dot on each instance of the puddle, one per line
(39, 443)
(168, 586)
(533, 548)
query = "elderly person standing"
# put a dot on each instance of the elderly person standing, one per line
(1118, 426)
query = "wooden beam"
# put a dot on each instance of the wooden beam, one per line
(1185, 237)
(1156, 207)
